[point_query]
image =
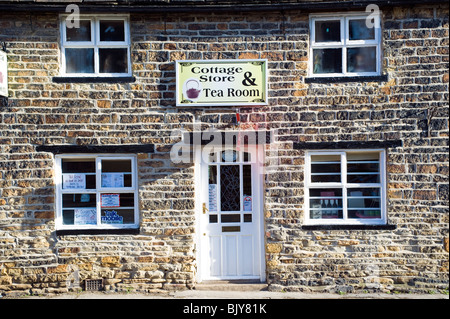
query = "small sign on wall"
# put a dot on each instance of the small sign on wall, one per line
(3, 74)
(221, 82)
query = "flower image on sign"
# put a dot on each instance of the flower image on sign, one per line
(3, 74)
(221, 82)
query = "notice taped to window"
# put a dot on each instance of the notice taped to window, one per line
(74, 181)
(112, 180)
(85, 216)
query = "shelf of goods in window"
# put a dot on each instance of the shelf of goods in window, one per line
(330, 205)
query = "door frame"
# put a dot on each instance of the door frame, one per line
(200, 194)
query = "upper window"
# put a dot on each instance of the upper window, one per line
(96, 192)
(345, 45)
(345, 187)
(98, 46)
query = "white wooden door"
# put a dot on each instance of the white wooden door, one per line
(230, 236)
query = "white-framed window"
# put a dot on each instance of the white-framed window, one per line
(345, 45)
(96, 192)
(100, 46)
(345, 187)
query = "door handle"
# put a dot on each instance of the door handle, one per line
(204, 208)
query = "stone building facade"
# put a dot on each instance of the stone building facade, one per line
(399, 115)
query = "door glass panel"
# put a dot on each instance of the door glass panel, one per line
(230, 156)
(230, 188)
(247, 187)
(116, 173)
(231, 218)
(213, 219)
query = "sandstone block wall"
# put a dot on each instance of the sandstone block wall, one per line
(411, 105)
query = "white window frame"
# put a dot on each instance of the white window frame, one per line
(345, 42)
(344, 186)
(98, 191)
(96, 44)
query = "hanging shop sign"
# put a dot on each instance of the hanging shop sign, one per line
(3, 74)
(221, 83)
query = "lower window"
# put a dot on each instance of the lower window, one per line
(96, 192)
(345, 187)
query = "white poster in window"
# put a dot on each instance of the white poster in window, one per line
(3, 74)
(112, 180)
(85, 216)
(212, 197)
(74, 181)
(247, 203)
(110, 200)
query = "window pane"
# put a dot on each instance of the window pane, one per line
(78, 165)
(325, 168)
(78, 174)
(359, 31)
(364, 203)
(117, 200)
(230, 156)
(327, 61)
(328, 31)
(116, 173)
(247, 188)
(363, 168)
(213, 219)
(325, 203)
(362, 59)
(115, 166)
(112, 30)
(83, 33)
(113, 60)
(79, 60)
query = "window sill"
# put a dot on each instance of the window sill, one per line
(343, 79)
(93, 79)
(122, 231)
(349, 227)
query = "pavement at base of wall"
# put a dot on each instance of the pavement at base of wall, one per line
(201, 294)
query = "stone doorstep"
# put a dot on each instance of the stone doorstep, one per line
(231, 285)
